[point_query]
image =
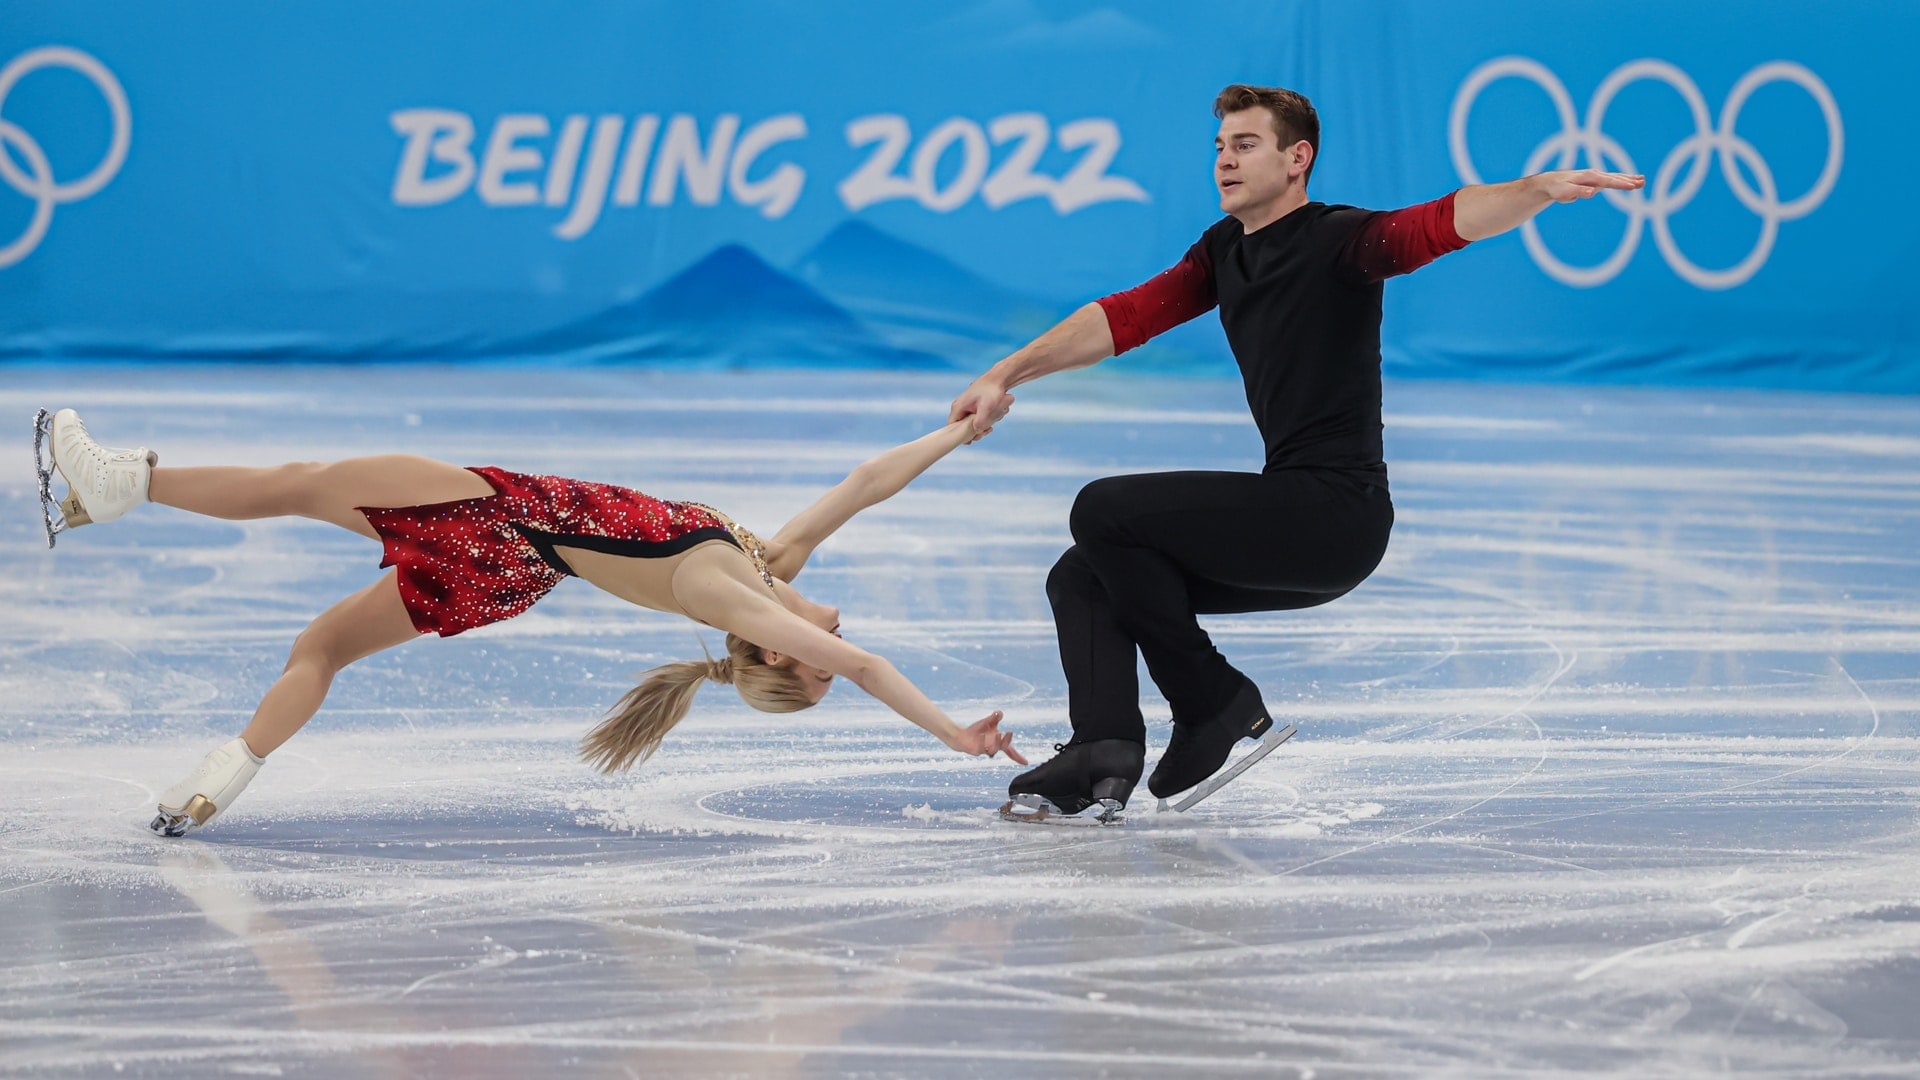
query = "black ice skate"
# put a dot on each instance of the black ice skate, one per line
(1197, 751)
(1100, 773)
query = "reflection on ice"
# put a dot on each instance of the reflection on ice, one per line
(1612, 767)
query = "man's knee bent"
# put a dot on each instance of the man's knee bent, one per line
(1072, 576)
(1099, 510)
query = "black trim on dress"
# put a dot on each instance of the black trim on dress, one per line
(545, 542)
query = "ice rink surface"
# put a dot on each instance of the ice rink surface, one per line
(1611, 768)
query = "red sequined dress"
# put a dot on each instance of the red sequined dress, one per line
(470, 562)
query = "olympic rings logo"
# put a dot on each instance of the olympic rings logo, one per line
(37, 182)
(1660, 200)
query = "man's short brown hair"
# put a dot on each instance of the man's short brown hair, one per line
(1293, 115)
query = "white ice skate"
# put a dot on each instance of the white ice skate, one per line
(206, 791)
(102, 482)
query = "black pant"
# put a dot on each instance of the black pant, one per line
(1152, 551)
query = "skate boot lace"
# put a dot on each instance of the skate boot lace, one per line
(103, 458)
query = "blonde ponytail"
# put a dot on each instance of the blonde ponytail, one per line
(635, 725)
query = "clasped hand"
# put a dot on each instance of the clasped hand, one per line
(987, 402)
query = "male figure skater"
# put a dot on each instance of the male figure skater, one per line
(1298, 285)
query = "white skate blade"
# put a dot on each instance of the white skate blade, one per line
(1225, 776)
(43, 471)
(1038, 810)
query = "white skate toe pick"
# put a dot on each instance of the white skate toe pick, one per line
(206, 791)
(103, 482)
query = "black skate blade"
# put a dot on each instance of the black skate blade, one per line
(1265, 746)
(43, 472)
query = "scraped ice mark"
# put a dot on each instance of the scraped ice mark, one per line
(848, 794)
(1310, 822)
(1741, 936)
(497, 956)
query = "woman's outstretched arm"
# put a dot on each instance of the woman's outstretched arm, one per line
(737, 608)
(873, 481)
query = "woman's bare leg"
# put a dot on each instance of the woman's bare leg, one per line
(365, 623)
(322, 491)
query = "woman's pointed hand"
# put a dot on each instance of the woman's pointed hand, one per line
(985, 737)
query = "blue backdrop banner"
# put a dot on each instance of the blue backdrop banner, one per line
(899, 185)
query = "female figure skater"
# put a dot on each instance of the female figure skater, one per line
(470, 547)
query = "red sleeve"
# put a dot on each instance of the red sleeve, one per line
(1402, 241)
(1162, 302)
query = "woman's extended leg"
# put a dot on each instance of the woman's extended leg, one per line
(365, 623)
(359, 626)
(323, 491)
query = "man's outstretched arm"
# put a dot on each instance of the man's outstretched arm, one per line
(1079, 340)
(1490, 209)
(1108, 326)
